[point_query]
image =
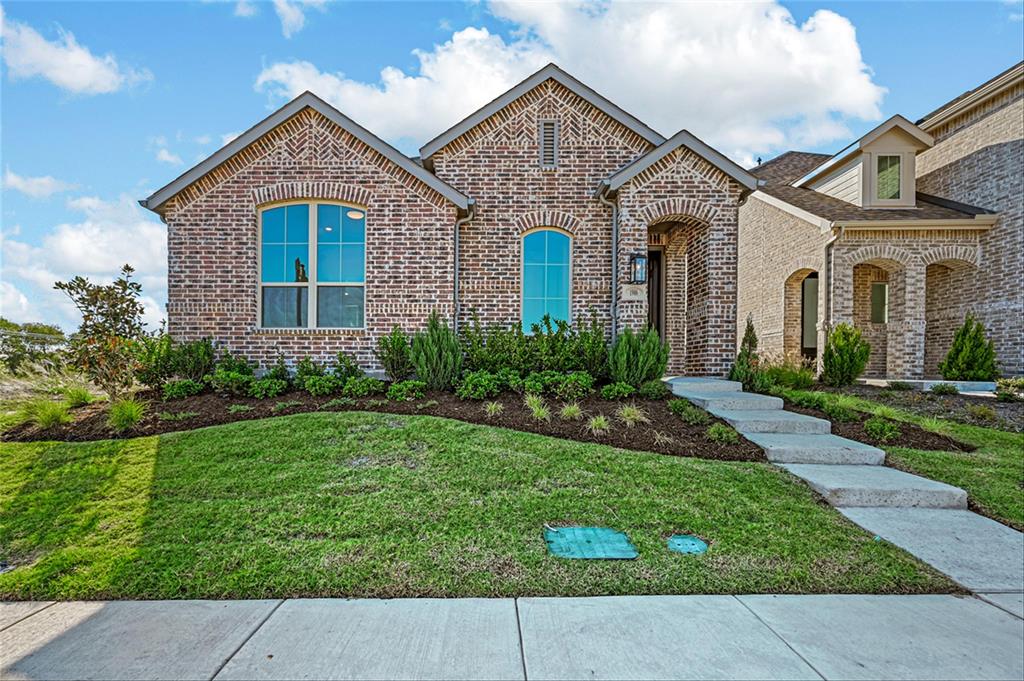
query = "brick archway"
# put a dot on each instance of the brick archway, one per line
(330, 191)
(548, 218)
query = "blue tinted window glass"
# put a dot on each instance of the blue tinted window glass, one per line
(273, 263)
(328, 224)
(533, 281)
(534, 247)
(273, 226)
(558, 248)
(297, 228)
(557, 282)
(558, 308)
(351, 263)
(328, 260)
(533, 311)
(339, 306)
(353, 228)
(285, 306)
(296, 264)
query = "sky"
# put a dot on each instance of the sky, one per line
(101, 103)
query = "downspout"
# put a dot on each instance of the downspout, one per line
(470, 214)
(602, 196)
(828, 276)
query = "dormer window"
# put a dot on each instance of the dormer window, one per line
(888, 178)
(548, 145)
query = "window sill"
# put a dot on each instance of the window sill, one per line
(259, 331)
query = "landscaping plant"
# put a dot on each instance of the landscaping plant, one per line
(631, 414)
(789, 370)
(30, 346)
(654, 390)
(279, 371)
(492, 409)
(691, 415)
(900, 386)
(125, 414)
(363, 386)
(78, 396)
(617, 391)
(972, 356)
(46, 413)
(395, 354)
(598, 425)
(437, 355)
(1010, 389)
(722, 434)
(570, 411)
(180, 388)
(877, 428)
(345, 367)
(406, 391)
(636, 358)
(538, 408)
(267, 387)
(745, 367)
(239, 408)
(945, 389)
(321, 386)
(574, 386)
(175, 416)
(232, 378)
(283, 406)
(478, 385)
(845, 356)
(305, 369)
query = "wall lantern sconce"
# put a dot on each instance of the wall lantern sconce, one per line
(638, 268)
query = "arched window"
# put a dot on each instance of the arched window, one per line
(545, 276)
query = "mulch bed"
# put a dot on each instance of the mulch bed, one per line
(91, 421)
(911, 436)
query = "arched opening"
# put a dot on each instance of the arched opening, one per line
(800, 314)
(672, 288)
(546, 276)
(947, 301)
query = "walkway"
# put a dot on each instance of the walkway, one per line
(630, 637)
(926, 518)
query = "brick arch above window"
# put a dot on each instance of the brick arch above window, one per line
(548, 218)
(952, 255)
(885, 256)
(328, 191)
(677, 209)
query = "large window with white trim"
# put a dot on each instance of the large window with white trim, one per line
(545, 276)
(312, 266)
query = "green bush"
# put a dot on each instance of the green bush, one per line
(1010, 389)
(345, 367)
(945, 389)
(155, 360)
(617, 391)
(845, 357)
(279, 371)
(654, 390)
(306, 369)
(231, 382)
(478, 385)
(722, 434)
(690, 414)
(574, 386)
(437, 355)
(362, 386)
(636, 358)
(78, 396)
(880, 430)
(406, 391)
(495, 348)
(320, 386)
(194, 360)
(267, 387)
(901, 386)
(790, 371)
(839, 413)
(181, 388)
(541, 382)
(125, 414)
(551, 346)
(972, 357)
(395, 354)
(745, 367)
(590, 348)
(47, 413)
(238, 365)
(509, 379)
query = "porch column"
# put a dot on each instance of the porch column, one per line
(906, 326)
(711, 297)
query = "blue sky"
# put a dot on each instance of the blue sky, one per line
(102, 103)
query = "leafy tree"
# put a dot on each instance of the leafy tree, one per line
(972, 356)
(24, 345)
(104, 347)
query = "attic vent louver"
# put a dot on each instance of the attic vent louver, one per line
(548, 144)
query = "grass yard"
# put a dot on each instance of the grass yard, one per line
(993, 474)
(360, 504)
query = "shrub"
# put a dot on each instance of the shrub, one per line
(885, 413)
(845, 356)
(654, 390)
(590, 348)
(630, 414)
(104, 345)
(982, 412)
(945, 389)
(492, 409)
(722, 434)
(47, 413)
(394, 354)
(788, 370)
(745, 367)
(181, 388)
(880, 430)
(636, 358)
(338, 403)
(574, 386)
(238, 365)
(839, 413)
(599, 425)
(691, 415)
(1010, 389)
(321, 386)
(478, 385)
(617, 391)
(509, 379)
(972, 357)
(306, 369)
(538, 408)
(345, 367)
(78, 396)
(662, 440)
(551, 346)
(901, 386)
(406, 391)
(230, 382)
(570, 411)
(279, 371)
(363, 386)
(495, 348)
(266, 387)
(155, 358)
(437, 355)
(125, 414)
(194, 360)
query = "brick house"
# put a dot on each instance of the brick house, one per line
(308, 235)
(902, 233)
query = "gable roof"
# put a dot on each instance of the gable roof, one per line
(680, 139)
(893, 122)
(306, 99)
(789, 166)
(989, 88)
(553, 72)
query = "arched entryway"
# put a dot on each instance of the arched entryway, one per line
(948, 292)
(800, 314)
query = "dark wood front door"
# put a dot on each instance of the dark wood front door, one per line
(655, 291)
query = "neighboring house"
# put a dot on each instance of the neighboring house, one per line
(308, 235)
(901, 233)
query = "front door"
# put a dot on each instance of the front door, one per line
(655, 291)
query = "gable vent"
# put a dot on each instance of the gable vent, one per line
(548, 144)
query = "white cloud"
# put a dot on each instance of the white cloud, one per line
(743, 76)
(65, 63)
(165, 156)
(14, 304)
(36, 187)
(245, 8)
(292, 14)
(110, 234)
(203, 140)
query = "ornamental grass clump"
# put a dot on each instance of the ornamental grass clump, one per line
(47, 413)
(125, 414)
(972, 356)
(437, 355)
(845, 357)
(570, 411)
(631, 415)
(599, 425)
(78, 396)
(539, 409)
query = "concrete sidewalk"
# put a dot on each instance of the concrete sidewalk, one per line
(630, 637)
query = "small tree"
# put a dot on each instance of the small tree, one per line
(437, 355)
(30, 345)
(845, 357)
(637, 357)
(972, 356)
(745, 367)
(104, 345)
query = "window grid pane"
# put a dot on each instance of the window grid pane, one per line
(545, 285)
(284, 250)
(888, 177)
(339, 307)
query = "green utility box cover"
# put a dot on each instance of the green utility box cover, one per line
(589, 543)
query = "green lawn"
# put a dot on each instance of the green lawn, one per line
(993, 474)
(357, 504)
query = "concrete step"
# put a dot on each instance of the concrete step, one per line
(767, 421)
(704, 385)
(877, 486)
(730, 400)
(819, 448)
